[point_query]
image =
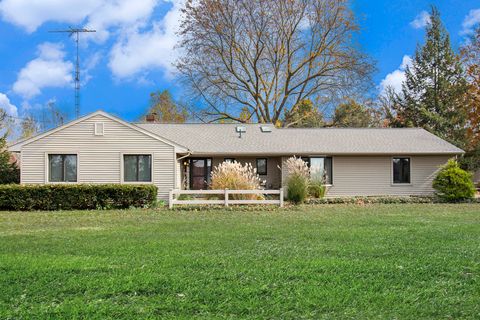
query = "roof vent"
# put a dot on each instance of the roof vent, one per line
(99, 129)
(265, 129)
(240, 130)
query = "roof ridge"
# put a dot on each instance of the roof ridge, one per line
(197, 123)
(273, 126)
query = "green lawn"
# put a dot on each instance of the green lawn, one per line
(324, 262)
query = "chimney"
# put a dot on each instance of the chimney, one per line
(150, 117)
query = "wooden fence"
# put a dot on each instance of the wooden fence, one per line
(172, 200)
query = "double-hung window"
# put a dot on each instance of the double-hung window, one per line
(321, 168)
(62, 168)
(137, 168)
(401, 170)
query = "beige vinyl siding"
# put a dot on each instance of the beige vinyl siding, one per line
(372, 176)
(99, 157)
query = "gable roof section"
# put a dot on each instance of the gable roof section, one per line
(222, 139)
(16, 146)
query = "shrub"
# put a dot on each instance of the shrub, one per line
(78, 196)
(316, 189)
(453, 183)
(374, 200)
(298, 176)
(297, 188)
(235, 176)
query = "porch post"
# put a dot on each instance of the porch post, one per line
(170, 199)
(281, 197)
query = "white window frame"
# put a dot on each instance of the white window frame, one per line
(122, 177)
(95, 128)
(47, 167)
(399, 184)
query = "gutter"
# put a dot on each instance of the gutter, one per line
(189, 153)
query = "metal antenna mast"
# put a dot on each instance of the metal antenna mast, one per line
(75, 32)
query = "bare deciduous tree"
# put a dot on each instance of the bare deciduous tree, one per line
(29, 127)
(268, 55)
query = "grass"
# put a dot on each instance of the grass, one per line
(324, 262)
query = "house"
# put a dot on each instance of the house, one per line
(101, 148)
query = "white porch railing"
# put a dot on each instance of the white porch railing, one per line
(172, 200)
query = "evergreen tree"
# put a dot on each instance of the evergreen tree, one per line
(9, 172)
(433, 95)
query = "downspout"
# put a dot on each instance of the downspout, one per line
(189, 153)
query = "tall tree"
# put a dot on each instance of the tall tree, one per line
(165, 109)
(9, 172)
(29, 126)
(268, 55)
(56, 116)
(388, 104)
(433, 95)
(304, 115)
(353, 114)
(470, 53)
(471, 58)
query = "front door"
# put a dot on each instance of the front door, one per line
(200, 169)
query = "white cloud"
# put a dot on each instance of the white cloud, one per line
(49, 69)
(140, 43)
(397, 77)
(470, 21)
(6, 105)
(125, 13)
(421, 20)
(32, 14)
(138, 52)
(98, 14)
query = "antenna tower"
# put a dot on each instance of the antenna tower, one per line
(75, 32)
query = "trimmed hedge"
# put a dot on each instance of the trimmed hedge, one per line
(367, 200)
(76, 196)
(386, 200)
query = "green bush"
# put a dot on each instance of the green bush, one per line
(297, 188)
(453, 183)
(361, 200)
(78, 196)
(316, 189)
(374, 200)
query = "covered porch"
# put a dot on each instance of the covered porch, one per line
(193, 172)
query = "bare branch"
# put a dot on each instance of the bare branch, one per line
(268, 55)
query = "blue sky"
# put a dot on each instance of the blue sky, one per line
(131, 55)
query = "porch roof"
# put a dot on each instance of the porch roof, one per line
(222, 139)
